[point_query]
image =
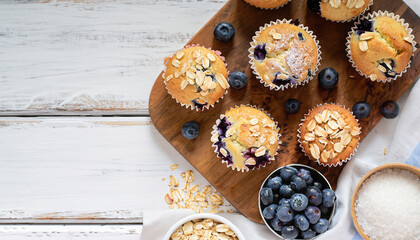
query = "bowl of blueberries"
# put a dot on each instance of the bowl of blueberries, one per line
(297, 202)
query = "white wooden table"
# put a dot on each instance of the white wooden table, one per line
(79, 157)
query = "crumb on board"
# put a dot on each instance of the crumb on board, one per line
(174, 166)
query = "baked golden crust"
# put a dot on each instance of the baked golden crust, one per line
(329, 134)
(196, 75)
(342, 10)
(383, 53)
(251, 138)
(267, 3)
(291, 54)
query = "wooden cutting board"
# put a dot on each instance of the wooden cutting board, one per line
(241, 189)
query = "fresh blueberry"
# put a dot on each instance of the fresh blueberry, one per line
(365, 25)
(292, 106)
(270, 211)
(314, 195)
(274, 183)
(361, 110)
(304, 174)
(328, 197)
(284, 201)
(224, 32)
(276, 223)
(190, 129)
(238, 79)
(328, 78)
(300, 37)
(286, 191)
(285, 213)
(389, 109)
(310, 181)
(289, 232)
(297, 183)
(308, 234)
(287, 172)
(321, 226)
(260, 52)
(298, 202)
(318, 185)
(313, 214)
(301, 222)
(266, 195)
(314, 5)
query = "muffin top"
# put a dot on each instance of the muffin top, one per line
(381, 48)
(267, 3)
(246, 138)
(329, 134)
(342, 10)
(196, 77)
(284, 53)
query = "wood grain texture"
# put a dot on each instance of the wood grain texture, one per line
(84, 169)
(242, 188)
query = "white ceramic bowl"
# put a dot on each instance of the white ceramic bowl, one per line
(204, 215)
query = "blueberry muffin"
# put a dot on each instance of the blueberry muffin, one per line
(339, 10)
(196, 77)
(245, 138)
(329, 134)
(380, 48)
(283, 55)
(267, 4)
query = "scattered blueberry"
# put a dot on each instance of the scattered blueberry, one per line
(314, 195)
(318, 185)
(190, 129)
(284, 201)
(274, 183)
(321, 226)
(308, 234)
(297, 183)
(292, 106)
(260, 52)
(266, 195)
(238, 79)
(389, 109)
(328, 197)
(276, 223)
(224, 32)
(365, 25)
(314, 5)
(270, 211)
(285, 213)
(298, 202)
(328, 78)
(361, 110)
(313, 214)
(289, 232)
(286, 191)
(287, 172)
(301, 222)
(300, 37)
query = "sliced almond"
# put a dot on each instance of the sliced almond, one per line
(341, 123)
(311, 125)
(355, 131)
(211, 57)
(366, 36)
(222, 228)
(335, 3)
(176, 74)
(360, 3)
(276, 36)
(254, 121)
(260, 151)
(212, 85)
(197, 53)
(230, 131)
(309, 137)
(318, 118)
(388, 63)
(176, 63)
(222, 81)
(188, 228)
(206, 62)
(254, 128)
(204, 93)
(319, 131)
(191, 74)
(262, 139)
(314, 151)
(190, 81)
(323, 141)
(351, 3)
(363, 45)
(338, 147)
(381, 68)
(179, 54)
(223, 152)
(324, 156)
(214, 137)
(325, 115)
(333, 124)
(408, 39)
(184, 84)
(373, 77)
(329, 130)
(169, 77)
(250, 161)
(345, 139)
(335, 115)
(168, 199)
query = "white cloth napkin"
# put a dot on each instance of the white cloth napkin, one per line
(399, 137)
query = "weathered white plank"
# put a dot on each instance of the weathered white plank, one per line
(90, 55)
(65, 232)
(83, 169)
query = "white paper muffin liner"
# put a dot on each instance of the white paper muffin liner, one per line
(353, 18)
(370, 16)
(218, 53)
(245, 169)
(254, 43)
(269, 8)
(340, 163)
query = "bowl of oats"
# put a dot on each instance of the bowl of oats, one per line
(204, 226)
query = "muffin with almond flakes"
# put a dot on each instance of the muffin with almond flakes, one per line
(196, 77)
(329, 134)
(245, 138)
(339, 10)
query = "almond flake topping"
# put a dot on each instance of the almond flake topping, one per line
(176, 63)
(408, 39)
(314, 151)
(260, 151)
(309, 137)
(381, 68)
(184, 84)
(360, 3)
(250, 161)
(373, 77)
(168, 78)
(319, 118)
(367, 35)
(254, 121)
(338, 147)
(254, 128)
(311, 125)
(363, 45)
(211, 57)
(179, 54)
(223, 152)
